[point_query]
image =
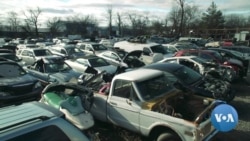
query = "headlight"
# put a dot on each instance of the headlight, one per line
(80, 79)
(37, 85)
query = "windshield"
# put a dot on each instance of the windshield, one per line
(158, 49)
(155, 87)
(187, 75)
(199, 60)
(98, 47)
(236, 53)
(98, 62)
(73, 51)
(217, 55)
(42, 52)
(56, 67)
(11, 70)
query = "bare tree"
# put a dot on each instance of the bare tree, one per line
(13, 21)
(109, 17)
(81, 25)
(181, 4)
(31, 21)
(174, 18)
(139, 23)
(119, 23)
(54, 24)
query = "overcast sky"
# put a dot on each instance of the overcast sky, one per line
(160, 8)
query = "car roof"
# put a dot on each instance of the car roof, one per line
(144, 74)
(17, 115)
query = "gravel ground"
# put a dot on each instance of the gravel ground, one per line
(106, 132)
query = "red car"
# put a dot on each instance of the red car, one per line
(214, 56)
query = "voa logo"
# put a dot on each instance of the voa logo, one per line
(224, 118)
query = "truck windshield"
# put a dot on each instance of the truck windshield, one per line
(155, 87)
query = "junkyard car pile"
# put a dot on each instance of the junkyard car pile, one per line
(169, 99)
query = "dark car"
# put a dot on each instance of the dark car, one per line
(215, 57)
(231, 54)
(243, 49)
(16, 85)
(190, 80)
(13, 57)
(52, 69)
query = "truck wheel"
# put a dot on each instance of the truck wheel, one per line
(166, 136)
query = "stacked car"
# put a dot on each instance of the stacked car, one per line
(175, 93)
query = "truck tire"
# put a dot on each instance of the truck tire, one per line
(168, 136)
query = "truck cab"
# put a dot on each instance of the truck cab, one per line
(146, 102)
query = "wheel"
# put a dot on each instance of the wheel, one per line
(168, 136)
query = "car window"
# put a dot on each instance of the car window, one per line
(42, 52)
(43, 134)
(187, 75)
(25, 53)
(56, 67)
(205, 56)
(98, 47)
(122, 88)
(98, 62)
(155, 87)
(113, 56)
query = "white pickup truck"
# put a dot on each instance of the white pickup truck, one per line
(146, 102)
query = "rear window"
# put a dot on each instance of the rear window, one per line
(49, 133)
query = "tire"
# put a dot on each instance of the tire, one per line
(167, 136)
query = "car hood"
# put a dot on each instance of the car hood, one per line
(109, 69)
(25, 79)
(65, 76)
(235, 61)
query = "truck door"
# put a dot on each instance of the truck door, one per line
(121, 107)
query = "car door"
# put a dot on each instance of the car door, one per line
(122, 109)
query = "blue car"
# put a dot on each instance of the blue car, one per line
(16, 85)
(52, 69)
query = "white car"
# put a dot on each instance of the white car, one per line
(31, 55)
(91, 48)
(98, 63)
(123, 59)
(202, 66)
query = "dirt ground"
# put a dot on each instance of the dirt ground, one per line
(106, 132)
